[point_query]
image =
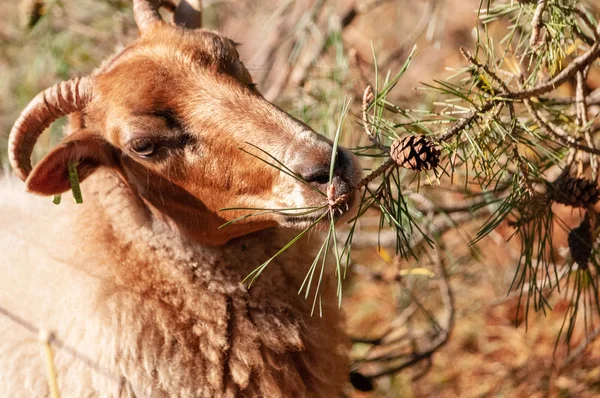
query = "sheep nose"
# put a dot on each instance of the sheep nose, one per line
(318, 174)
(315, 174)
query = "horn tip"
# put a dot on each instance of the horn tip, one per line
(14, 162)
(20, 172)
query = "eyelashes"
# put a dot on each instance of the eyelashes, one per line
(156, 134)
(143, 147)
(148, 147)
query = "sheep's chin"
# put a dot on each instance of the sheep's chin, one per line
(341, 215)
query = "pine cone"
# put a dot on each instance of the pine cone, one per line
(576, 192)
(580, 243)
(415, 152)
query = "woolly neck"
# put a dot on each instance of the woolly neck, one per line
(181, 304)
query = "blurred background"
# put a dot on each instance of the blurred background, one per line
(310, 57)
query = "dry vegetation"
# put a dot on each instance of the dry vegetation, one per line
(309, 56)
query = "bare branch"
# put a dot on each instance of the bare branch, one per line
(536, 22)
(580, 349)
(557, 132)
(582, 118)
(465, 123)
(442, 335)
(485, 68)
(569, 72)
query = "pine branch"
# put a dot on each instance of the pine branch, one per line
(536, 22)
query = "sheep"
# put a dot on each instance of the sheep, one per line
(138, 285)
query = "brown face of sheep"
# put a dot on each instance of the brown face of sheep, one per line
(171, 114)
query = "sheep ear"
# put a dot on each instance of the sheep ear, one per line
(85, 149)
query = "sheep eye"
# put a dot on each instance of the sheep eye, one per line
(143, 147)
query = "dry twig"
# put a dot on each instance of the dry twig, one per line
(392, 361)
(536, 22)
(580, 349)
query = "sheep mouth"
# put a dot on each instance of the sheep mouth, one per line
(340, 214)
(294, 220)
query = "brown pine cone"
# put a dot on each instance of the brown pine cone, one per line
(576, 192)
(580, 243)
(415, 152)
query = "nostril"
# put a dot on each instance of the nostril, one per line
(318, 175)
(341, 160)
(318, 172)
(320, 179)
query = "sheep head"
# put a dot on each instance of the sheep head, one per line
(169, 114)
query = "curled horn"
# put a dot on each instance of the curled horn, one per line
(146, 13)
(46, 107)
(188, 14)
